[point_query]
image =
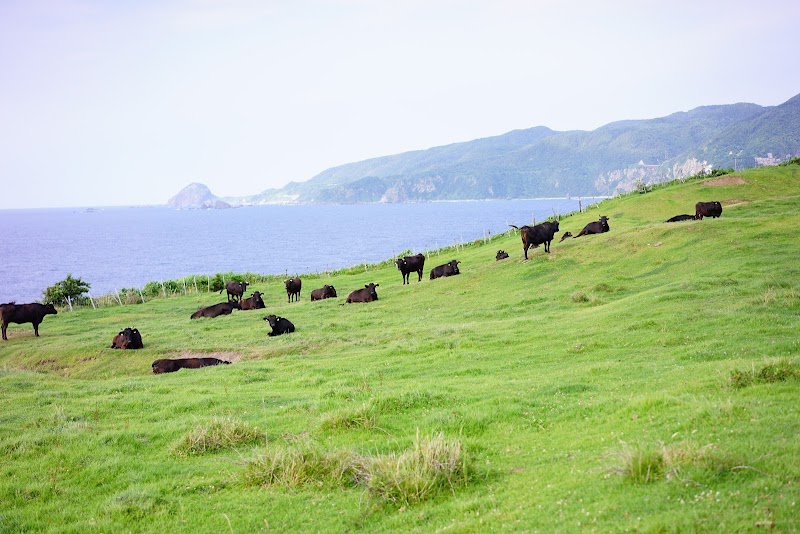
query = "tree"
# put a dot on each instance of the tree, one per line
(67, 290)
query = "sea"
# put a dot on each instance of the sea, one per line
(126, 247)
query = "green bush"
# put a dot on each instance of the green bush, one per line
(69, 288)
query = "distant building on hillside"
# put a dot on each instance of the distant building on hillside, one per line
(769, 160)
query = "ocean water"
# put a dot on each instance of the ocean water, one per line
(118, 247)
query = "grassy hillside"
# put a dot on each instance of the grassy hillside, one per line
(644, 379)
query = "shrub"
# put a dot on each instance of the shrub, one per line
(70, 288)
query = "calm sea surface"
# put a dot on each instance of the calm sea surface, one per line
(113, 248)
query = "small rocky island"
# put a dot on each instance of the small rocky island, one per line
(197, 196)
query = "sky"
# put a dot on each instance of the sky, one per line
(126, 102)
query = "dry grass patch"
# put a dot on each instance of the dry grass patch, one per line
(778, 371)
(644, 463)
(228, 356)
(725, 180)
(364, 416)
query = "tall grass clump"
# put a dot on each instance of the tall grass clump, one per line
(218, 434)
(431, 466)
(645, 463)
(779, 371)
(295, 467)
(364, 416)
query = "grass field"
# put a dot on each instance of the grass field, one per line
(646, 379)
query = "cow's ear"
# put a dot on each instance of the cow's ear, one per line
(366, 285)
(376, 285)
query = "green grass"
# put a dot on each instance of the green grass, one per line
(644, 379)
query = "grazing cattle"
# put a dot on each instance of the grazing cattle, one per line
(596, 227)
(448, 269)
(533, 236)
(707, 209)
(280, 325)
(325, 292)
(410, 264)
(235, 290)
(170, 366)
(365, 294)
(565, 235)
(24, 313)
(223, 308)
(678, 218)
(293, 286)
(501, 255)
(130, 338)
(254, 302)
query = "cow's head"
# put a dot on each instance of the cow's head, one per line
(372, 293)
(454, 265)
(50, 309)
(330, 291)
(272, 320)
(257, 300)
(400, 263)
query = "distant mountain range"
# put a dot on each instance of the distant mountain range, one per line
(540, 162)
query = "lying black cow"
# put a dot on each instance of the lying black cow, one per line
(565, 235)
(223, 308)
(235, 290)
(325, 292)
(170, 366)
(280, 325)
(254, 302)
(410, 264)
(707, 209)
(533, 236)
(293, 286)
(24, 313)
(448, 269)
(596, 227)
(130, 338)
(501, 255)
(678, 218)
(365, 294)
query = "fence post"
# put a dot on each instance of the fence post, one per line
(140, 294)
(195, 285)
(92, 301)
(69, 302)
(208, 278)
(184, 285)
(116, 291)
(163, 289)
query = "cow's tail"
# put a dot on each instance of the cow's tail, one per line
(221, 290)
(514, 226)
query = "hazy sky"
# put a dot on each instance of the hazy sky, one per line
(126, 102)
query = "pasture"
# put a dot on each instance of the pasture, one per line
(644, 379)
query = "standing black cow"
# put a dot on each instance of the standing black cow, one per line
(410, 264)
(596, 227)
(533, 236)
(293, 286)
(253, 302)
(280, 325)
(365, 294)
(223, 308)
(679, 218)
(235, 290)
(448, 269)
(501, 255)
(130, 338)
(325, 292)
(707, 209)
(24, 313)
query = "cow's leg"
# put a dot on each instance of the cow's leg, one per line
(526, 252)
(36, 329)
(547, 246)
(420, 275)
(4, 331)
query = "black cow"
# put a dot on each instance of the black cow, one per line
(24, 313)
(223, 308)
(280, 325)
(448, 269)
(365, 294)
(707, 209)
(410, 264)
(325, 292)
(235, 290)
(596, 227)
(533, 236)
(130, 338)
(501, 255)
(293, 286)
(254, 302)
(170, 366)
(678, 218)
(565, 235)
